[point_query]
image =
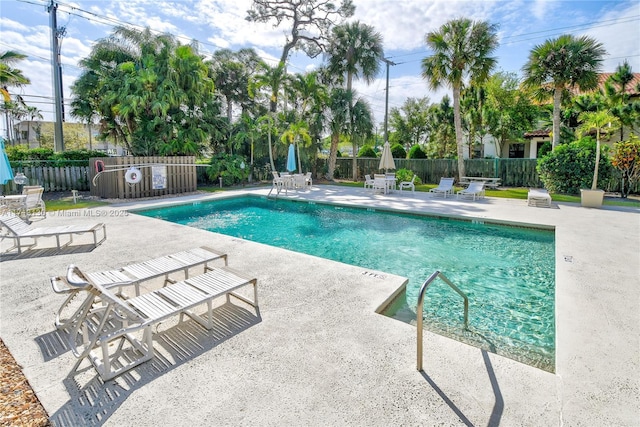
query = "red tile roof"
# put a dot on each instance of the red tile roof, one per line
(538, 133)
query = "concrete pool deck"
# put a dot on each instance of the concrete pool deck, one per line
(317, 353)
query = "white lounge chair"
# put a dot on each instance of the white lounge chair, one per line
(308, 180)
(474, 190)
(18, 230)
(116, 334)
(539, 197)
(409, 184)
(444, 188)
(134, 275)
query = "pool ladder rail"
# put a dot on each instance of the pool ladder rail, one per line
(419, 309)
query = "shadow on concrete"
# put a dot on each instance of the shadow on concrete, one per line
(47, 252)
(446, 400)
(498, 407)
(92, 401)
(53, 344)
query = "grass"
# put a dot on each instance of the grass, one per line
(518, 193)
(67, 203)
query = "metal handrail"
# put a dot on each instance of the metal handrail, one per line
(419, 309)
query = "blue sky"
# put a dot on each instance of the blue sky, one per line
(24, 27)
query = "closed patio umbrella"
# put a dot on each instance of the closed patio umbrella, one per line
(386, 160)
(291, 158)
(6, 174)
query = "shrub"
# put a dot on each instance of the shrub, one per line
(398, 151)
(569, 167)
(407, 175)
(228, 166)
(367, 151)
(626, 158)
(416, 152)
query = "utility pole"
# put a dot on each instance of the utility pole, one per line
(56, 33)
(386, 101)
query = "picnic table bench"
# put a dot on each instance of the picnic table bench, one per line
(488, 182)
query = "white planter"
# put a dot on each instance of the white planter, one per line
(592, 198)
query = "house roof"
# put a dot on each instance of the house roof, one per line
(538, 133)
(631, 88)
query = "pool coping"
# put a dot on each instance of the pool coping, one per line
(326, 378)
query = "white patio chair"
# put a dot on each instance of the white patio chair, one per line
(368, 181)
(445, 187)
(409, 184)
(474, 190)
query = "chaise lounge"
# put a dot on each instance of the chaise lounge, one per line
(538, 197)
(116, 334)
(18, 230)
(445, 187)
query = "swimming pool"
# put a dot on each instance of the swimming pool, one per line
(508, 273)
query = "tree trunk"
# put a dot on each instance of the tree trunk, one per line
(594, 184)
(333, 155)
(557, 98)
(457, 120)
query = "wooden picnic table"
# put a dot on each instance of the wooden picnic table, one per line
(488, 182)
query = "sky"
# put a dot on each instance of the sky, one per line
(403, 24)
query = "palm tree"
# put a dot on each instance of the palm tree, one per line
(461, 49)
(562, 63)
(603, 122)
(615, 92)
(339, 102)
(10, 77)
(355, 51)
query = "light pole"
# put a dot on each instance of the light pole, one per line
(386, 101)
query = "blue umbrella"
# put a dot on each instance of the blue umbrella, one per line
(291, 158)
(6, 174)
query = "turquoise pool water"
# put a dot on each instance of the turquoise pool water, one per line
(508, 273)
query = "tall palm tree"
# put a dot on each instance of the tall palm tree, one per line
(354, 52)
(562, 63)
(462, 49)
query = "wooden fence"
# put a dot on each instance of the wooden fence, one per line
(52, 178)
(180, 177)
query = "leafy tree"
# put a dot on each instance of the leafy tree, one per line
(626, 158)
(473, 104)
(569, 167)
(462, 48)
(151, 94)
(561, 63)
(509, 110)
(410, 122)
(602, 122)
(354, 52)
(442, 140)
(231, 73)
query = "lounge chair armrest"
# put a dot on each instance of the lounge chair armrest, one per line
(75, 277)
(61, 286)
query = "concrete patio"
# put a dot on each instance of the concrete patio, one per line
(317, 353)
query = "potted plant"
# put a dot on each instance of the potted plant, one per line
(602, 122)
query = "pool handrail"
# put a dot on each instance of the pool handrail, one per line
(419, 309)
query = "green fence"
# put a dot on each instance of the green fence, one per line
(512, 172)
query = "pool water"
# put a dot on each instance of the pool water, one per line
(508, 273)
